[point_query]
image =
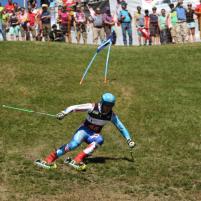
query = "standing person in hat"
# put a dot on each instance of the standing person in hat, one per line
(45, 21)
(154, 28)
(125, 19)
(23, 18)
(98, 25)
(162, 23)
(190, 22)
(172, 23)
(31, 24)
(14, 26)
(182, 30)
(99, 114)
(108, 22)
(4, 18)
(81, 24)
(147, 27)
(139, 22)
(64, 20)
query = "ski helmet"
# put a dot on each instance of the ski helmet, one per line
(108, 99)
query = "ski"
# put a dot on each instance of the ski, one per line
(80, 167)
(45, 165)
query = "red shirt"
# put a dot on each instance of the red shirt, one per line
(198, 8)
(9, 8)
(146, 22)
(31, 17)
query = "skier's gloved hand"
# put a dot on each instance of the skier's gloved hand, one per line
(131, 143)
(60, 115)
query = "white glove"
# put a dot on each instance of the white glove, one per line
(60, 115)
(131, 143)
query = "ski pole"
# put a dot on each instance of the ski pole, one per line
(27, 110)
(131, 153)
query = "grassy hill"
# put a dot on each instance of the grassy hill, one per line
(158, 93)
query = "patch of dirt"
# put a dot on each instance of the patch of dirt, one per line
(3, 192)
(36, 152)
(8, 74)
(86, 193)
(152, 197)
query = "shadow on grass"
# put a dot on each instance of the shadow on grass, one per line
(102, 159)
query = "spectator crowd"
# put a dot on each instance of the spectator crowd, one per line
(52, 22)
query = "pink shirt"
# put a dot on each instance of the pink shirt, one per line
(64, 17)
(22, 18)
(80, 17)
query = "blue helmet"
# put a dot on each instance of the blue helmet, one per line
(108, 99)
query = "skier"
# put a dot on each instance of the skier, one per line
(99, 114)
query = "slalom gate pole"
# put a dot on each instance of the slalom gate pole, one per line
(88, 67)
(107, 62)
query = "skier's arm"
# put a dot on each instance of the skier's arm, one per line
(75, 108)
(122, 129)
(79, 108)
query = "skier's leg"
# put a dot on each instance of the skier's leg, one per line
(94, 142)
(77, 139)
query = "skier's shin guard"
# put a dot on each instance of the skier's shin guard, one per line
(51, 157)
(86, 152)
(80, 157)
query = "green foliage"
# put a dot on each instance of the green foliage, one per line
(158, 93)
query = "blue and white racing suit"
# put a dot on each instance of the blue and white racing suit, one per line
(89, 131)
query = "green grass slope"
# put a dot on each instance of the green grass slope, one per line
(158, 93)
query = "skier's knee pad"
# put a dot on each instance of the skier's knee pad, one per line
(95, 138)
(61, 150)
(99, 140)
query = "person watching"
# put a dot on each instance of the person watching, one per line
(56, 34)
